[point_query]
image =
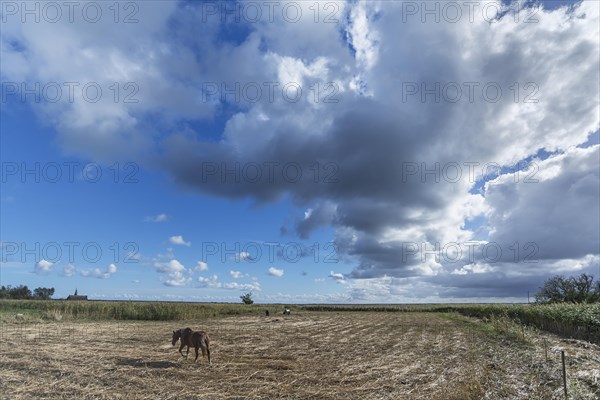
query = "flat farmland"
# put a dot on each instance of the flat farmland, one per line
(306, 355)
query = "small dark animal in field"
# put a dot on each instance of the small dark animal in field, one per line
(199, 340)
(287, 311)
(266, 313)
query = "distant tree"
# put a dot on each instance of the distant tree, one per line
(43, 293)
(247, 298)
(574, 289)
(19, 292)
(4, 292)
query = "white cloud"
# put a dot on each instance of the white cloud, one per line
(43, 267)
(472, 269)
(211, 282)
(94, 272)
(201, 266)
(236, 274)
(214, 283)
(363, 37)
(174, 273)
(170, 266)
(255, 286)
(275, 272)
(308, 213)
(69, 270)
(177, 279)
(338, 277)
(179, 241)
(157, 218)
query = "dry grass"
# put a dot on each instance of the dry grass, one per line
(308, 355)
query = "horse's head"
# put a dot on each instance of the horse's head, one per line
(176, 336)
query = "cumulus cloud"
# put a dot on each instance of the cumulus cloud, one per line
(170, 266)
(201, 266)
(211, 281)
(43, 267)
(174, 273)
(176, 279)
(111, 269)
(178, 240)
(338, 277)
(379, 165)
(376, 203)
(275, 272)
(95, 272)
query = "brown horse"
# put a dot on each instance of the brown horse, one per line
(189, 338)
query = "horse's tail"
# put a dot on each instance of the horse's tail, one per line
(206, 341)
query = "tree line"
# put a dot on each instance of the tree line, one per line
(574, 289)
(22, 292)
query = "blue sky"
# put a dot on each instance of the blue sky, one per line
(360, 189)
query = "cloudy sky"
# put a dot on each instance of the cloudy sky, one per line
(362, 151)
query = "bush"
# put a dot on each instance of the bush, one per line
(247, 298)
(577, 290)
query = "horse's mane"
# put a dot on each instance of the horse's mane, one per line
(184, 333)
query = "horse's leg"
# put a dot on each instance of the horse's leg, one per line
(207, 345)
(206, 352)
(181, 348)
(187, 352)
(196, 348)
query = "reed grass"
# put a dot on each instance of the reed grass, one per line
(121, 310)
(579, 321)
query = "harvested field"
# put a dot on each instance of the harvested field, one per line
(308, 355)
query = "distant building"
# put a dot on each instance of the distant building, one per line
(76, 296)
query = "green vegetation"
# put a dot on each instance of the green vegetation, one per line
(574, 289)
(580, 321)
(247, 298)
(125, 310)
(23, 292)
(43, 293)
